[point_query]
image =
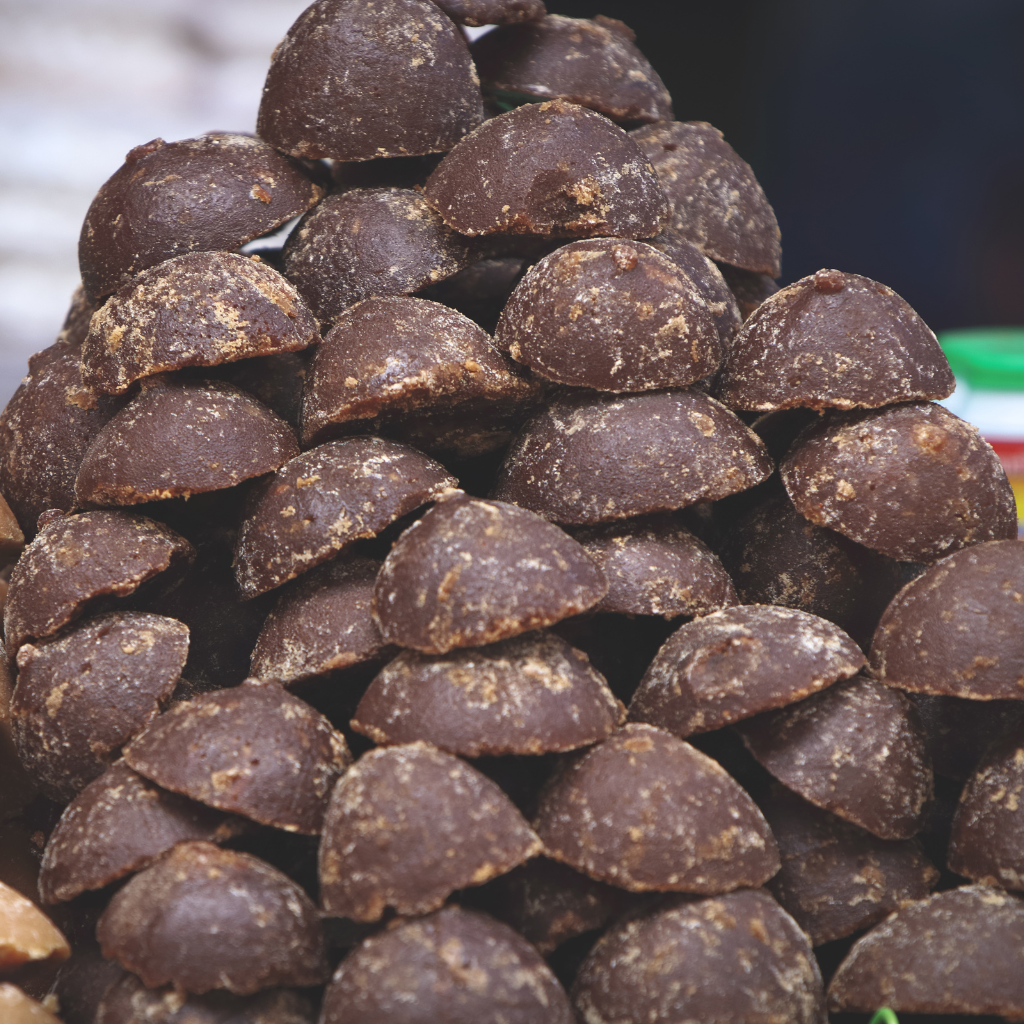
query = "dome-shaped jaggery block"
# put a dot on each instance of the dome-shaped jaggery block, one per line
(492, 12)
(734, 958)
(611, 315)
(958, 628)
(118, 824)
(592, 62)
(857, 750)
(204, 918)
(211, 193)
(833, 340)
(407, 826)
(324, 499)
(77, 559)
(531, 694)
(253, 750)
(180, 437)
(26, 933)
(715, 199)
(82, 695)
(548, 169)
(200, 309)
(647, 812)
(594, 458)
(959, 951)
(472, 572)
(369, 242)
(320, 623)
(457, 966)
(912, 481)
(355, 81)
(738, 662)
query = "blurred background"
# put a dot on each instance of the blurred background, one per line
(888, 134)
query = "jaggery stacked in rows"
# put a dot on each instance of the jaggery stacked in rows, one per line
(497, 601)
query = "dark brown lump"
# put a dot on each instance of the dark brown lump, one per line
(959, 951)
(833, 340)
(492, 12)
(717, 203)
(548, 169)
(211, 193)
(958, 629)
(254, 750)
(200, 309)
(857, 750)
(82, 696)
(322, 500)
(592, 62)
(530, 694)
(396, 365)
(320, 623)
(837, 879)
(205, 918)
(407, 826)
(655, 566)
(457, 966)
(181, 437)
(749, 287)
(594, 458)
(119, 824)
(369, 242)
(647, 812)
(738, 662)
(738, 957)
(358, 81)
(78, 559)
(912, 481)
(472, 572)
(612, 315)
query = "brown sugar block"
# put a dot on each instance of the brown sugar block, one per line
(396, 365)
(857, 750)
(80, 697)
(409, 825)
(592, 62)
(472, 571)
(214, 192)
(254, 750)
(26, 933)
(647, 812)
(78, 559)
(369, 242)
(958, 629)
(594, 458)
(181, 437)
(119, 824)
(324, 499)
(45, 429)
(717, 203)
(833, 340)
(492, 12)
(200, 309)
(611, 315)
(356, 81)
(320, 623)
(528, 695)
(732, 958)
(548, 169)
(655, 566)
(749, 287)
(912, 481)
(457, 966)
(959, 951)
(18, 1008)
(987, 839)
(205, 918)
(738, 662)
(837, 879)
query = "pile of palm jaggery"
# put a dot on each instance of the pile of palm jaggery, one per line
(454, 583)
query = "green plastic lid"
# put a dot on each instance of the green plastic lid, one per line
(986, 358)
